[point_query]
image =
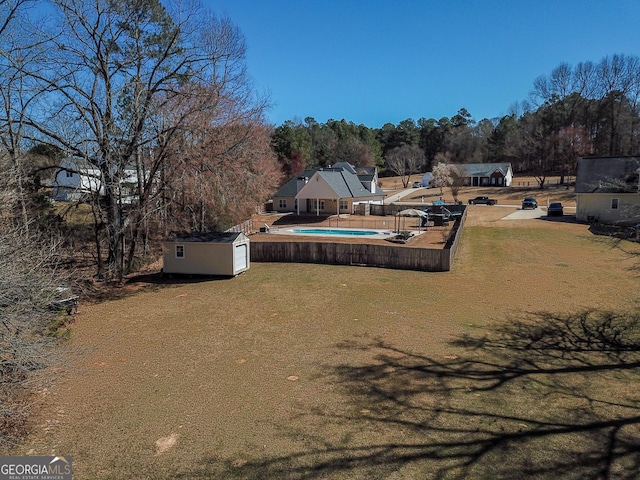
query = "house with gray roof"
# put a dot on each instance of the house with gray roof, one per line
(608, 190)
(486, 174)
(332, 190)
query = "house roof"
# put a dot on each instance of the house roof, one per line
(344, 181)
(483, 169)
(346, 165)
(360, 171)
(209, 237)
(344, 184)
(290, 189)
(608, 175)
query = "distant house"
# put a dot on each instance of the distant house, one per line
(74, 179)
(607, 190)
(337, 189)
(486, 174)
(223, 254)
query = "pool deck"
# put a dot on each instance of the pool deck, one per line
(432, 238)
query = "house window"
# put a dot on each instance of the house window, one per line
(282, 203)
(344, 205)
(179, 251)
(314, 205)
(614, 204)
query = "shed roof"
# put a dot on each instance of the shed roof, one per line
(608, 175)
(209, 237)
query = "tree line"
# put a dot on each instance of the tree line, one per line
(590, 109)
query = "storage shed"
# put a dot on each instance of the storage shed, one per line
(206, 253)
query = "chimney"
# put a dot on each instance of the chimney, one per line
(302, 181)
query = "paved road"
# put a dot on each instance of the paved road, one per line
(519, 214)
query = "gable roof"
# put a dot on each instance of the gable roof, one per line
(344, 184)
(608, 175)
(483, 169)
(290, 189)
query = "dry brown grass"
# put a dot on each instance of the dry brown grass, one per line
(496, 369)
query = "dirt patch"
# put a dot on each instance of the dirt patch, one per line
(164, 444)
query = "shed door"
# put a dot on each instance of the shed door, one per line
(240, 257)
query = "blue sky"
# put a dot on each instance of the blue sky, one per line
(375, 62)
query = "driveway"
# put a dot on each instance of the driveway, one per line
(525, 214)
(535, 213)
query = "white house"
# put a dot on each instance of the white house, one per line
(337, 189)
(486, 174)
(75, 179)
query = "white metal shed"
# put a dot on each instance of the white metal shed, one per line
(206, 253)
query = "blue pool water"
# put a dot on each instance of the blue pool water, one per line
(323, 231)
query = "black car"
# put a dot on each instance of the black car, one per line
(555, 208)
(483, 200)
(529, 202)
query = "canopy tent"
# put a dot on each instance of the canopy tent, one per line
(410, 212)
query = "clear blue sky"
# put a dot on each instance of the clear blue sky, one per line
(375, 62)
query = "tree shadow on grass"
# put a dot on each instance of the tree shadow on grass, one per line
(542, 396)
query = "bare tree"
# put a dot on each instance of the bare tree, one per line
(220, 181)
(28, 286)
(404, 161)
(111, 73)
(15, 100)
(458, 175)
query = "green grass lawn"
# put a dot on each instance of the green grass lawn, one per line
(522, 362)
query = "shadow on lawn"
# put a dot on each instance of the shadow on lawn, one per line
(545, 396)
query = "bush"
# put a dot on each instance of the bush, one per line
(28, 286)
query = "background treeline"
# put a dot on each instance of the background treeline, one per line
(585, 110)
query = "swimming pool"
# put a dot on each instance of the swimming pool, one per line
(335, 232)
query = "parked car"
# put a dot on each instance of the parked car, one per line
(417, 184)
(529, 202)
(555, 208)
(483, 200)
